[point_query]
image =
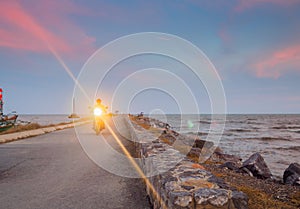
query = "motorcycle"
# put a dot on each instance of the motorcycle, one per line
(99, 124)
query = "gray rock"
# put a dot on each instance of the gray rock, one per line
(194, 152)
(218, 181)
(157, 145)
(230, 165)
(161, 124)
(167, 137)
(292, 175)
(214, 197)
(199, 143)
(194, 174)
(258, 167)
(168, 177)
(245, 170)
(156, 141)
(221, 157)
(239, 200)
(181, 200)
(187, 187)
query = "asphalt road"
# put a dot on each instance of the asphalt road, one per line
(53, 171)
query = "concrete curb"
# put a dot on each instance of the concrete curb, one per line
(30, 133)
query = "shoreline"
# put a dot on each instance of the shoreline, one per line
(275, 137)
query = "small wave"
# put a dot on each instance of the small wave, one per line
(234, 121)
(286, 127)
(204, 122)
(268, 152)
(240, 130)
(279, 127)
(198, 133)
(254, 123)
(295, 148)
(251, 119)
(229, 134)
(202, 133)
(293, 127)
(269, 138)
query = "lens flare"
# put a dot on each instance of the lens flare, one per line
(136, 166)
(190, 124)
(97, 111)
(69, 72)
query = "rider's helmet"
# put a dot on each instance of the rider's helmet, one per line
(98, 101)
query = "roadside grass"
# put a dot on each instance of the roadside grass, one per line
(33, 126)
(260, 200)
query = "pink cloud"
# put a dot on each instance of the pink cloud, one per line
(294, 99)
(247, 4)
(224, 35)
(40, 32)
(280, 62)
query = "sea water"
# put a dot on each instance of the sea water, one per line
(275, 137)
(44, 119)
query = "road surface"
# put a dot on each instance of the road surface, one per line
(53, 171)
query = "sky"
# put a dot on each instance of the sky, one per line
(254, 46)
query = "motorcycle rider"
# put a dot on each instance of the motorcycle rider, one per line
(100, 106)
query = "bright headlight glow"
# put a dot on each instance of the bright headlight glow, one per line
(97, 111)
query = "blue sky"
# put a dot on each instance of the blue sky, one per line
(254, 45)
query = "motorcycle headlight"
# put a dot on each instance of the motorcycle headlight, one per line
(97, 112)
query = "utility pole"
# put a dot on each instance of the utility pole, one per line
(1, 102)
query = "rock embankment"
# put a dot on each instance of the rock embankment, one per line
(222, 181)
(178, 181)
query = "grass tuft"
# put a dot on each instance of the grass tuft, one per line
(19, 128)
(261, 200)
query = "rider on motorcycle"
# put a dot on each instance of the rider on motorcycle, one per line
(100, 105)
(99, 111)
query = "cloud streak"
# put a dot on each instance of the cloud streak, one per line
(248, 4)
(22, 30)
(279, 63)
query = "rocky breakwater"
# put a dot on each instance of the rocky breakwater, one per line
(177, 180)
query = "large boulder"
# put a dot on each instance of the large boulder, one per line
(240, 200)
(291, 175)
(257, 166)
